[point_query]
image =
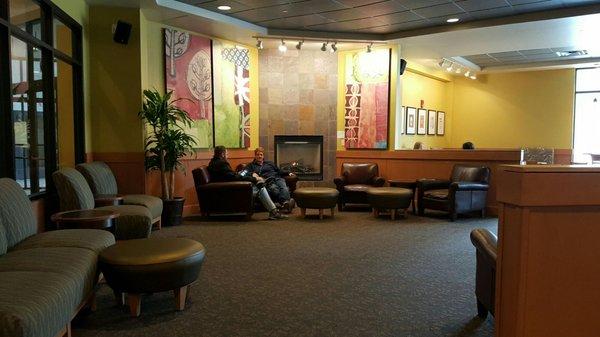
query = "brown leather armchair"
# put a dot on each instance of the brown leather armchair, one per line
(486, 244)
(222, 197)
(356, 178)
(465, 191)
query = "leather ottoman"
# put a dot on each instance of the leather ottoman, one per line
(392, 198)
(151, 265)
(316, 198)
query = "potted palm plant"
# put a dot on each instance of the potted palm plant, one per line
(166, 143)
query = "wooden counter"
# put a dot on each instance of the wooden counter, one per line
(415, 164)
(548, 276)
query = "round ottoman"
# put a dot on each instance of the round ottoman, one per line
(392, 198)
(151, 265)
(316, 198)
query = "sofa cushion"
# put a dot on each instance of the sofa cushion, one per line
(79, 264)
(35, 304)
(73, 190)
(357, 188)
(441, 194)
(16, 213)
(152, 203)
(93, 239)
(134, 222)
(99, 177)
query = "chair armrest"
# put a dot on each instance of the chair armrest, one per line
(290, 179)
(468, 186)
(486, 243)
(339, 182)
(378, 181)
(226, 186)
(432, 184)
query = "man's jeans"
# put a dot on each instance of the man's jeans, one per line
(278, 189)
(263, 196)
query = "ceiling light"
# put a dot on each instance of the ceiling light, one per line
(224, 8)
(450, 67)
(324, 46)
(467, 73)
(333, 47)
(452, 20)
(282, 47)
(571, 53)
(458, 70)
(259, 44)
(473, 77)
(441, 63)
(299, 45)
(369, 47)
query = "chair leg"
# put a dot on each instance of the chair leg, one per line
(135, 304)
(119, 298)
(483, 212)
(376, 212)
(421, 210)
(340, 206)
(332, 211)
(180, 296)
(320, 214)
(482, 312)
(453, 216)
(393, 212)
(303, 212)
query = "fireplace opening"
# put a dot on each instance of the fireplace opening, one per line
(301, 155)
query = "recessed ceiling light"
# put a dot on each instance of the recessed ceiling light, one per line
(452, 20)
(224, 8)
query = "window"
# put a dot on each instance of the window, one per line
(41, 98)
(586, 143)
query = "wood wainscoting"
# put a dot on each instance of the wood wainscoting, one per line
(415, 164)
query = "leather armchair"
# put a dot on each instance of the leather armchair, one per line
(486, 246)
(222, 197)
(356, 178)
(465, 191)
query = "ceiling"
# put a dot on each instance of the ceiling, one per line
(377, 17)
(522, 56)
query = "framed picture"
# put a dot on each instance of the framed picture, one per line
(441, 120)
(422, 122)
(431, 119)
(411, 120)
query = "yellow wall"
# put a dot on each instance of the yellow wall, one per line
(115, 82)
(511, 110)
(153, 67)
(79, 11)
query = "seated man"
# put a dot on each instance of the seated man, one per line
(220, 170)
(275, 184)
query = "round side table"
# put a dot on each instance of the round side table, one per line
(409, 184)
(108, 200)
(89, 218)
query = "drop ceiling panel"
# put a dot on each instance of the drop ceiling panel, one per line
(521, 57)
(377, 16)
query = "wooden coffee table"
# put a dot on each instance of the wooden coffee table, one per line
(89, 218)
(409, 184)
(108, 200)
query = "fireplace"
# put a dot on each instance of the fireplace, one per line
(301, 155)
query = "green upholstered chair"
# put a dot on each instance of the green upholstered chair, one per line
(102, 182)
(134, 221)
(44, 278)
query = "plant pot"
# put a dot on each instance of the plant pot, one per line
(172, 214)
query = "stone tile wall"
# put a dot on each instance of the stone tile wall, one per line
(298, 96)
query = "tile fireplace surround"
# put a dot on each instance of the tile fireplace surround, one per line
(298, 96)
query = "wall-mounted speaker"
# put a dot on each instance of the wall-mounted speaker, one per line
(121, 32)
(402, 66)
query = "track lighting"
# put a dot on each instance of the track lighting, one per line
(441, 63)
(259, 44)
(369, 47)
(473, 77)
(333, 47)
(282, 47)
(458, 70)
(324, 46)
(450, 67)
(467, 73)
(299, 45)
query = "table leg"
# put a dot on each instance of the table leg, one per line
(180, 296)
(393, 212)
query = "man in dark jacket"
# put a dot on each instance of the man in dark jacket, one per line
(273, 175)
(220, 170)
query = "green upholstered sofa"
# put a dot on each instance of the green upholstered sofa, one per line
(44, 278)
(102, 181)
(134, 221)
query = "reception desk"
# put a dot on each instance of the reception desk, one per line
(548, 267)
(415, 164)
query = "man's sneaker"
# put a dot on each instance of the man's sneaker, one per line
(276, 215)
